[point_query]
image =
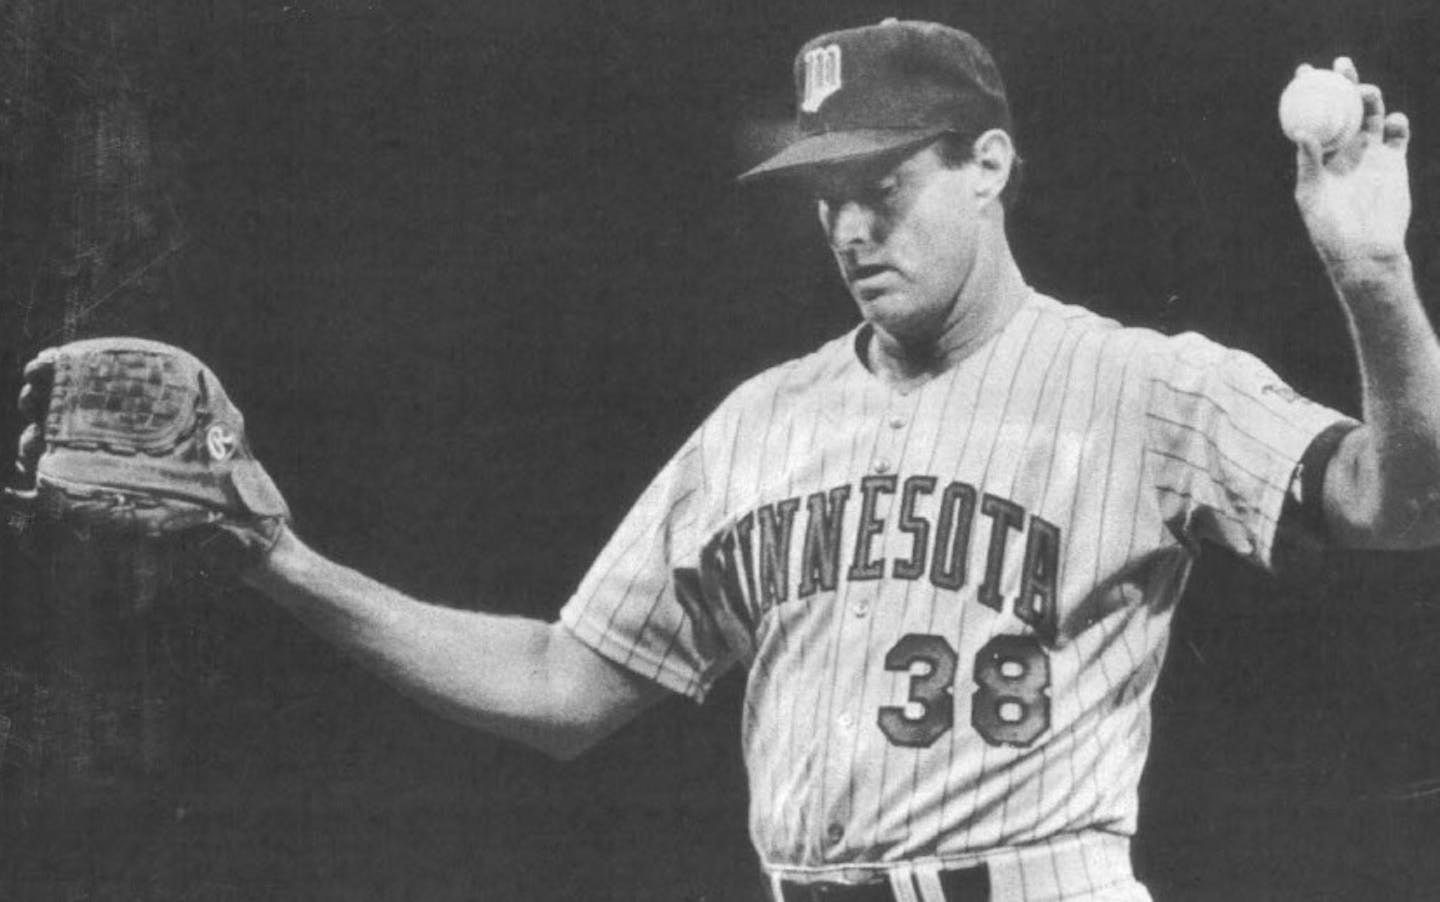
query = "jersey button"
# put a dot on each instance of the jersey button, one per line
(882, 466)
(860, 608)
(846, 721)
(897, 423)
(835, 832)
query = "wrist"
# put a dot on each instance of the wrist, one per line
(286, 555)
(1368, 270)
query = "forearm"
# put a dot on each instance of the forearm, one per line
(501, 674)
(1390, 471)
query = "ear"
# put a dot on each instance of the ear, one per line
(994, 158)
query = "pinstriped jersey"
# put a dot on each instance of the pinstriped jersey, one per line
(952, 601)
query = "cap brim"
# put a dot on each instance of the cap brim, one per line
(841, 147)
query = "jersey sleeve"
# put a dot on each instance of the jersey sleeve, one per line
(1225, 439)
(636, 606)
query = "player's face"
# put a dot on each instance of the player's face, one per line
(904, 233)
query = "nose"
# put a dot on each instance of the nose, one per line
(850, 224)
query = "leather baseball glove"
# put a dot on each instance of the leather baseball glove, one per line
(137, 438)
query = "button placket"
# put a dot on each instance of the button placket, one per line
(891, 439)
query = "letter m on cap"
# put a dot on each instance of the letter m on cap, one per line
(822, 76)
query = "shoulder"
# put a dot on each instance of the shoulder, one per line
(1142, 349)
(793, 380)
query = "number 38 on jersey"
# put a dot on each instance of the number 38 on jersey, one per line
(1010, 704)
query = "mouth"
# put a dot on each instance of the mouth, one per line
(864, 279)
(859, 274)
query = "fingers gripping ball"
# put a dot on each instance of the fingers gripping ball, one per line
(138, 438)
(1321, 105)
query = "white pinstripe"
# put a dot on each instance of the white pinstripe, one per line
(927, 881)
(902, 884)
(1111, 438)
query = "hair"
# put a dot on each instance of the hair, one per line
(958, 148)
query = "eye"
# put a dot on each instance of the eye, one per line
(883, 192)
(877, 194)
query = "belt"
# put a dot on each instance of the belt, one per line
(970, 884)
(1068, 866)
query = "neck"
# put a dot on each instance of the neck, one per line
(991, 295)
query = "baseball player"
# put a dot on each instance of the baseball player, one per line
(946, 546)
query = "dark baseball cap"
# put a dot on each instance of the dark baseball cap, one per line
(868, 91)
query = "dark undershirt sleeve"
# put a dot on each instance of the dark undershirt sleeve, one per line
(1302, 518)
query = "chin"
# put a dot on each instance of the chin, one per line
(897, 317)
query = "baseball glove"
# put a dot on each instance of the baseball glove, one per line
(137, 438)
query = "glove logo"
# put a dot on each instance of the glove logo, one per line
(220, 442)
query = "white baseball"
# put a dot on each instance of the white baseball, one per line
(1323, 105)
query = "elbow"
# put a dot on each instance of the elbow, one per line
(561, 753)
(568, 750)
(1406, 517)
(564, 744)
(1409, 522)
(561, 742)
(572, 699)
(1383, 502)
(564, 741)
(582, 698)
(552, 737)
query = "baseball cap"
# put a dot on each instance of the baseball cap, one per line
(867, 91)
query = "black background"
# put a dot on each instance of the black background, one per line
(473, 270)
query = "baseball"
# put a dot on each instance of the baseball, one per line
(1323, 105)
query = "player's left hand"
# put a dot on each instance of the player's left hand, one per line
(1355, 200)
